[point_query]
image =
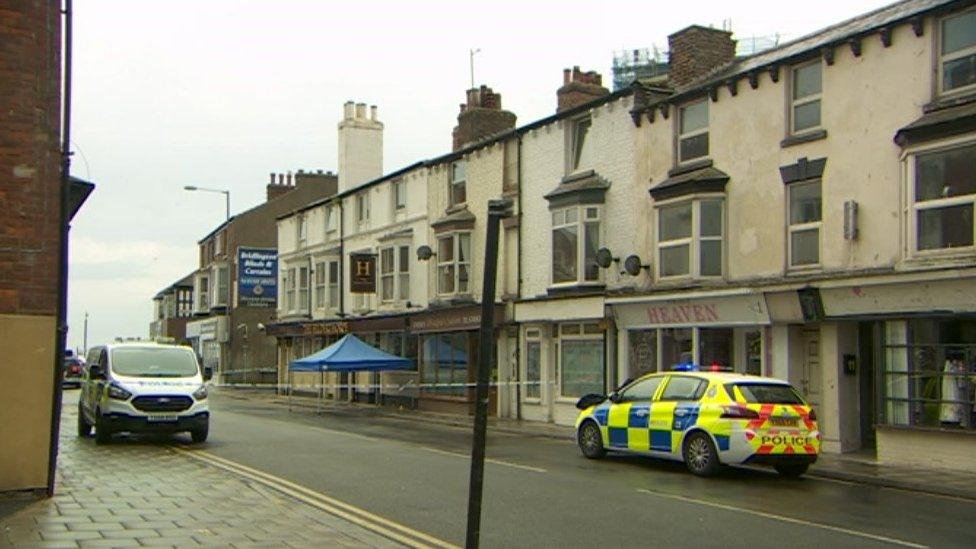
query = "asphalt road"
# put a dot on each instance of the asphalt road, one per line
(543, 493)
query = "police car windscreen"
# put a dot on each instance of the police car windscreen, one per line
(766, 393)
(149, 362)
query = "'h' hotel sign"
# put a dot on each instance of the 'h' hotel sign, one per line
(362, 275)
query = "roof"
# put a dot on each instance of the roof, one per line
(350, 354)
(185, 281)
(839, 33)
(939, 124)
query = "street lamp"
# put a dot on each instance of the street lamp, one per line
(225, 193)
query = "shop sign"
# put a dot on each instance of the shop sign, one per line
(468, 318)
(716, 311)
(333, 328)
(257, 277)
(362, 273)
(951, 296)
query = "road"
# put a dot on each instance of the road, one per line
(543, 493)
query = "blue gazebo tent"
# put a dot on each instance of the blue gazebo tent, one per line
(349, 354)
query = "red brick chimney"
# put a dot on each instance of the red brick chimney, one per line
(697, 51)
(277, 189)
(578, 88)
(480, 117)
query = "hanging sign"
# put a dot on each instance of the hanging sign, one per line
(362, 273)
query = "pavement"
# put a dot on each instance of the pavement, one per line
(859, 467)
(145, 493)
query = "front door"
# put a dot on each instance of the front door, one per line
(811, 380)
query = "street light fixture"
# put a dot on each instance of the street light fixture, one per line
(205, 189)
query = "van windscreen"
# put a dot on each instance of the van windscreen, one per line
(765, 393)
(154, 362)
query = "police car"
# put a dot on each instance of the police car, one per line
(706, 419)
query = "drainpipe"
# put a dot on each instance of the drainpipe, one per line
(61, 334)
(518, 277)
(342, 262)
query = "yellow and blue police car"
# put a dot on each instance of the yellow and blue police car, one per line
(706, 419)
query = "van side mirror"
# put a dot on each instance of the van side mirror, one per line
(207, 373)
(95, 372)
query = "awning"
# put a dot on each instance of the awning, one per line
(350, 354)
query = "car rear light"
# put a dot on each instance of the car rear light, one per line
(812, 415)
(738, 412)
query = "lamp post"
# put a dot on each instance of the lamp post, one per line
(205, 189)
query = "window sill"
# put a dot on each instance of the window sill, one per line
(581, 288)
(803, 270)
(808, 137)
(923, 428)
(455, 208)
(949, 100)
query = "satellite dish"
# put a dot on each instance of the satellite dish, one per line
(424, 253)
(633, 265)
(604, 258)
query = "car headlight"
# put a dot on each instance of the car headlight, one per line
(200, 393)
(118, 393)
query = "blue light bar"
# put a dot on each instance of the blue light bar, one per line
(685, 367)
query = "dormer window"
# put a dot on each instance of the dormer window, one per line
(957, 53)
(458, 189)
(693, 131)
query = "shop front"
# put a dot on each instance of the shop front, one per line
(448, 348)
(917, 342)
(208, 337)
(564, 355)
(714, 330)
(388, 333)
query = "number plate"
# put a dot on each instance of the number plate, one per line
(783, 421)
(161, 417)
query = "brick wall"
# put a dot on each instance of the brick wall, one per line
(697, 51)
(30, 32)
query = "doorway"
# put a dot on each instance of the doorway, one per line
(811, 380)
(868, 342)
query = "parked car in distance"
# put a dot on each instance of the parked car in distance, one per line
(705, 419)
(72, 370)
(143, 388)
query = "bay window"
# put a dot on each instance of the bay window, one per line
(575, 241)
(395, 273)
(333, 285)
(690, 238)
(944, 196)
(320, 282)
(453, 263)
(302, 304)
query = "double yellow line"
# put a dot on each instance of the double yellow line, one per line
(374, 523)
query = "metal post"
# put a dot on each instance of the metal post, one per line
(227, 204)
(497, 209)
(85, 340)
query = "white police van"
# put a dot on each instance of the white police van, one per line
(143, 388)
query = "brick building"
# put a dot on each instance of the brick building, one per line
(31, 251)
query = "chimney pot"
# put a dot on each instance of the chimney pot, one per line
(372, 113)
(318, 171)
(361, 111)
(281, 179)
(272, 178)
(347, 110)
(566, 76)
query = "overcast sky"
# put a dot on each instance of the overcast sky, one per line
(219, 93)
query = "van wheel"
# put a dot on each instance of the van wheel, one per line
(199, 435)
(792, 471)
(102, 434)
(700, 455)
(84, 428)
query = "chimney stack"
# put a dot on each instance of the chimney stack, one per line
(360, 145)
(578, 88)
(480, 117)
(696, 52)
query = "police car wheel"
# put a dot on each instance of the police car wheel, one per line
(591, 441)
(84, 428)
(792, 471)
(700, 455)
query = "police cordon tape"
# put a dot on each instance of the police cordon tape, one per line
(372, 386)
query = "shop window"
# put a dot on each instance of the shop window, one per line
(533, 369)
(715, 348)
(805, 223)
(445, 359)
(957, 53)
(693, 131)
(944, 194)
(575, 241)
(754, 352)
(676, 347)
(642, 352)
(690, 238)
(805, 97)
(581, 368)
(453, 263)
(929, 373)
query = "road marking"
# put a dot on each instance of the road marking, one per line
(487, 460)
(374, 523)
(781, 518)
